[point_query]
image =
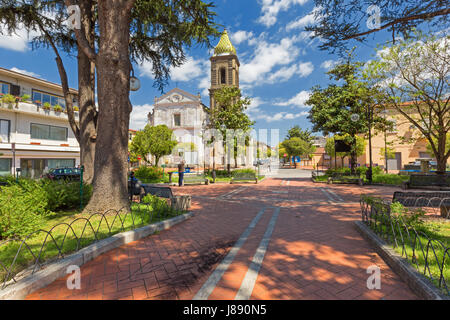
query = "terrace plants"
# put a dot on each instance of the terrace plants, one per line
(8, 99)
(25, 98)
(57, 108)
(46, 106)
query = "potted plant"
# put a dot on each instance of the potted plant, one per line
(8, 99)
(76, 109)
(25, 98)
(47, 106)
(57, 108)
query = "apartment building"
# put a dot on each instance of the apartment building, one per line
(35, 135)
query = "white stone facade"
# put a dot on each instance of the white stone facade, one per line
(31, 138)
(185, 114)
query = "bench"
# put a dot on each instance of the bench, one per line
(180, 203)
(244, 176)
(437, 199)
(430, 181)
(195, 179)
(345, 178)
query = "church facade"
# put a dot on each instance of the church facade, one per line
(188, 117)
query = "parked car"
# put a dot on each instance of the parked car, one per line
(71, 174)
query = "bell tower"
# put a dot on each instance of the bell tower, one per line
(224, 66)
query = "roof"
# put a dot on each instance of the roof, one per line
(224, 46)
(25, 77)
(180, 91)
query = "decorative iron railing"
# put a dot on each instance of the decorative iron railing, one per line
(75, 235)
(429, 256)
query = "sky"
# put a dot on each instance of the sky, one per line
(279, 62)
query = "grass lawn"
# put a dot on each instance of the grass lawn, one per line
(433, 228)
(78, 235)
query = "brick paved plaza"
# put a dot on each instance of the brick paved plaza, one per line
(280, 239)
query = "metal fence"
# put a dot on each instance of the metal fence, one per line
(429, 256)
(94, 228)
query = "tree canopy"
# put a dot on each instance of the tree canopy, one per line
(298, 147)
(296, 131)
(414, 78)
(157, 141)
(340, 21)
(229, 118)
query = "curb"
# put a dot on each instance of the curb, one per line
(58, 269)
(418, 283)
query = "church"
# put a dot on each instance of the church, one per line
(188, 117)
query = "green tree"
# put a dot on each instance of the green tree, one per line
(297, 132)
(414, 78)
(345, 107)
(298, 147)
(113, 35)
(229, 116)
(360, 146)
(340, 21)
(157, 141)
(390, 153)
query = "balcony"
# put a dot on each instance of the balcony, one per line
(35, 109)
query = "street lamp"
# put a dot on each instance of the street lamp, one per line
(369, 174)
(369, 115)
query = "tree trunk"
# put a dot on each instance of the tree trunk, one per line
(441, 158)
(113, 83)
(86, 96)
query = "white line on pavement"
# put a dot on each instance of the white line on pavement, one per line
(334, 194)
(247, 285)
(208, 287)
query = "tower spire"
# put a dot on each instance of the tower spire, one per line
(224, 46)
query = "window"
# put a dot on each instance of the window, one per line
(45, 132)
(177, 120)
(223, 76)
(46, 97)
(4, 130)
(5, 167)
(61, 163)
(4, 88)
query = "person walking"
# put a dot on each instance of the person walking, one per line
(180, 173)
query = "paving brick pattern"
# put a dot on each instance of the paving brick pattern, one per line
(314, 252)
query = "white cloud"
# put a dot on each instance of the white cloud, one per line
(139, 116)
(271, 8)
(302, 69)
(304, 21)
(329, 64)
(17, 41)
(25, 72)
(241, 36)
(280, 116)
(191, 69)
(298, 100)
(265, 58)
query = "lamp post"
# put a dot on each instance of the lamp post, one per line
(370, 120)
(385, 141)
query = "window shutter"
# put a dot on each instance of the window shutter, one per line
(15, 90)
